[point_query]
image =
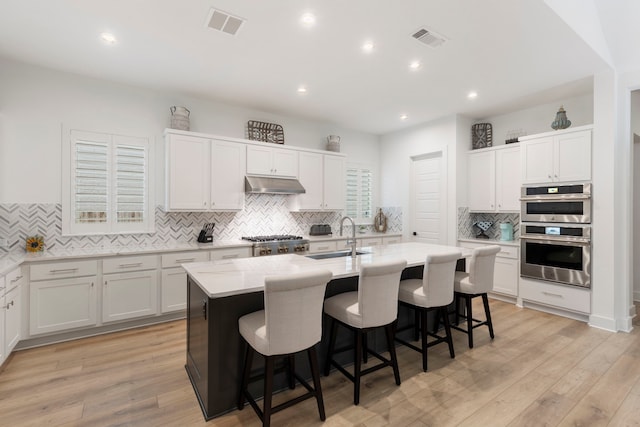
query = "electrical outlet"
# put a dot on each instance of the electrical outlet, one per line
(4, 244)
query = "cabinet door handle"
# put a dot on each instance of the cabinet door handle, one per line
(92, 284)
(185, 260)
(133, 264)
(175, 274)
(229, 256)
(63, 270)
(551, 294)
(105, 283)
(204, 308)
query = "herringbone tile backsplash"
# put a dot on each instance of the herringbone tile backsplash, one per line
(466, 219)
(263, 214)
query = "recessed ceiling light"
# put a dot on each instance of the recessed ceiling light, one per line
(108, 38)
(308, 19)
(403, 117)
(302, 89)
(414, 65)
(367, 47)
(472, 95)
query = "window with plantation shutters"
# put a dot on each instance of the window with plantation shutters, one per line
(359, 193)
(106, 186)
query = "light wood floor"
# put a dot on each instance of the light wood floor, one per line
(541, 370)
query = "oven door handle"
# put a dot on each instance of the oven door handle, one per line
(545, 198)
(558, 240)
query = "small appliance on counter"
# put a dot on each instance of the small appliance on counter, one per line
(506, 231)
(320, 230)
(206, 234)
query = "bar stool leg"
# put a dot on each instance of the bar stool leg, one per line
(365, 354)
(447, 329)
(248, 360)
(487, 312)
(423, 313)
(416, 323)
(291, 370)
(268, 390)
(332, 346)
(469, 320)
(390, 332)
(315, 372)
(357, 367)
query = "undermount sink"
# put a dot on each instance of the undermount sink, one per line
(337, 254)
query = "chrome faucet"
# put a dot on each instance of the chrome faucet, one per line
(353, 238)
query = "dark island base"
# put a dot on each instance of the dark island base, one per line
(215, 349)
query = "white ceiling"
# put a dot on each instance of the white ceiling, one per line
(508, 51)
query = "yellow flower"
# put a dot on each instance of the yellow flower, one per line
(35, 244)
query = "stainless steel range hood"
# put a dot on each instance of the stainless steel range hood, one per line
(260, 184)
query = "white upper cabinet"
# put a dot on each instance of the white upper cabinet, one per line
(270, 161)
(494, 179)
(187, 173)
(204, 174)
(322, 176)
(557, 157)
(228, 164)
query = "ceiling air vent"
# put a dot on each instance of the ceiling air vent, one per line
(223, 21)
(428, 37)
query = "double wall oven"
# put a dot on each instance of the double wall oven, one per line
(555, 237)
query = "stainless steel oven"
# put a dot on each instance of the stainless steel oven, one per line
(557, 253)
(556, 203)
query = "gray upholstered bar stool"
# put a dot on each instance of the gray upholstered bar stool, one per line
(476, 283)
(291, 322)
(433, 292)
(373, 305)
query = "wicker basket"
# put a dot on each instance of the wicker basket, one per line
(266, 132)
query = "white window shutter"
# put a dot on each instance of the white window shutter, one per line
(359, 203)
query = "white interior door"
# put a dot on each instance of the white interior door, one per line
(429, 198)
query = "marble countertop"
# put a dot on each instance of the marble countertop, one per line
(223, 278)
(12, 260)
(337, 236)
(515, 242)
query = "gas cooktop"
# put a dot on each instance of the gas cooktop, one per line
(272, 238)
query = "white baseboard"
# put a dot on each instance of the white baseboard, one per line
(601, 322)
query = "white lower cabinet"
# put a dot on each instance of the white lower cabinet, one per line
(506, 269)
(61, 304)
(173, 282)
(3, 354)
(564, 297)
(129, 295)
(13, 318)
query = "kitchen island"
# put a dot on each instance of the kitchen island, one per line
(220, 292)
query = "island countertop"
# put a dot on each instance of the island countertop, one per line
(223, 278)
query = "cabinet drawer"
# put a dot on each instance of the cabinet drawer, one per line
(391, 240)
(175, 260)
(130, 263)
(315, 247)
(376, 241)
(505, 251)
(569, 298)
(508, 252)
(14, 279)
(231, 253)
(61, 270)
